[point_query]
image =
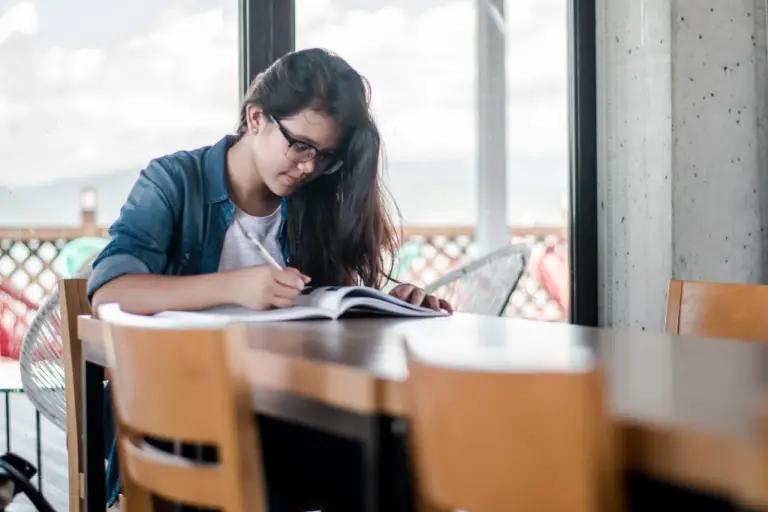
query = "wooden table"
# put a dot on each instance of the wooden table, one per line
(688, 408)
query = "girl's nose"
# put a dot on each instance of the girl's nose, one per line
(307, 167)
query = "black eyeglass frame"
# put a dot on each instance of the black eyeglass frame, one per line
(321, 157)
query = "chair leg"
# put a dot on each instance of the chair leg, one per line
(428, 507)
(73, 301)
(75, 471)
(135, 499)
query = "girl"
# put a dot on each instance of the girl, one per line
(301, 174)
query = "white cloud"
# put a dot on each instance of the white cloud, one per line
(19, 19)
(185, 37)
(312, 12)
(67, 111)
(359, 34)
(423, 72)
(60, 66)
(12, 110)
(80, 111)
(447, 132)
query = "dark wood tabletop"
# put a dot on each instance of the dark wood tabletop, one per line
(654, 378)
(664, 385)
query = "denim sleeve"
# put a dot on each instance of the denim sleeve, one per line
(141, 235)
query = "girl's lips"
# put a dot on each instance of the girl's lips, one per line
(292, 182)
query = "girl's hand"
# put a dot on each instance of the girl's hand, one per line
(417, 297)
(265, 287)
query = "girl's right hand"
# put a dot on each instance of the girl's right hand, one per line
(265, 287)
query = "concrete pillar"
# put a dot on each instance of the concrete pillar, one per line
(492, 231)
(682, 149)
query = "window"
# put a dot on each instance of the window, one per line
(90, 92)
(421, 59)
(537, 150)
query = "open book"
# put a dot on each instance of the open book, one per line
(329, 302)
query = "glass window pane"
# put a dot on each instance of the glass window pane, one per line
(421, 59)
(537, 150)
(90, 91)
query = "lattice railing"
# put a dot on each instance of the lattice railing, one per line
(27, 265)
(426, 254)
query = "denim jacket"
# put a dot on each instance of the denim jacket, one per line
(174, 220)
(173, 223)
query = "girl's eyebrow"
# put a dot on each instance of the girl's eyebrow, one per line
(307, 140)
(300, 138)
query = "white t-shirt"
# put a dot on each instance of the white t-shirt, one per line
(239, 252)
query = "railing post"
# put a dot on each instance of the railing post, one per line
(88, 205)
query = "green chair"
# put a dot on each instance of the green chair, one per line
(76, 254)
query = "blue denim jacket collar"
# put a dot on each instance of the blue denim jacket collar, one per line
(215, 171)
(216, 190)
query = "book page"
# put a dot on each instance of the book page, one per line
(113, 314)
(374, 296)
(379, 307)
(324, 297)
(239, 314)
(362, 298)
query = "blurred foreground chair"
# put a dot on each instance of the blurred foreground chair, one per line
(185, 387)
(526, 437)
(734, 467)
(485, 285)
(718, 310)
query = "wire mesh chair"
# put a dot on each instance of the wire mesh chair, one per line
(485, 285)
(15, 313)
(42, 359)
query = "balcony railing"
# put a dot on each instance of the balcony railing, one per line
(429, 252)
(27, 259)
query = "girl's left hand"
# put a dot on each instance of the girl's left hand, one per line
(417, 297)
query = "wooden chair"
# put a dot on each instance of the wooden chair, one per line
(73, 302)
(188, 387)
(500, 441)
(728, 465)
(718, 310)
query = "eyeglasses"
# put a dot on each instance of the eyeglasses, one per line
(300, 152)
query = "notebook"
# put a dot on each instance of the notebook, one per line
(327, 302)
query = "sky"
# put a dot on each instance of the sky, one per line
(90, 87)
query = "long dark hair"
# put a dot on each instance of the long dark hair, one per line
(337, 226)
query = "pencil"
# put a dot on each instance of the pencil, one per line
(260, 247)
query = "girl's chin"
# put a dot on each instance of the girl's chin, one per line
(284, 185)
(282, 190)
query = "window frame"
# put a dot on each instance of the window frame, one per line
(267, 31)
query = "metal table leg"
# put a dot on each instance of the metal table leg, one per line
(93, 437)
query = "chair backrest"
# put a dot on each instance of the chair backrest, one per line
(499, 441)
(42, 362)
(73, 302)
(485, 285)
(189, 387)
(717, 310)
(723, 310)
(43, 353)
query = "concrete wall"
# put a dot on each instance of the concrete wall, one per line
(683, 183)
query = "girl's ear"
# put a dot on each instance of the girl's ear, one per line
(255, 117)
